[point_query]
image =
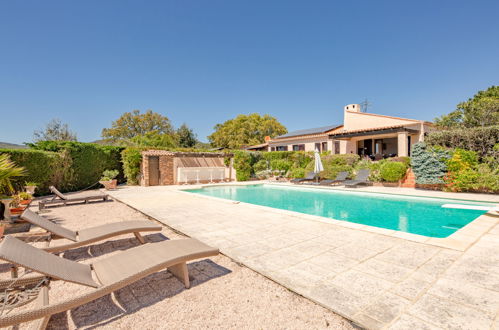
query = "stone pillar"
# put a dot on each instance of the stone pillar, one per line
(402, 146)
(144, 180)
(166, 177)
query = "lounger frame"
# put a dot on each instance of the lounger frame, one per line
(62, 200)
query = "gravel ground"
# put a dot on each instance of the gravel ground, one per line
(223, 295)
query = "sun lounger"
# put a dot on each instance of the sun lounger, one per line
(65, 200)
(309, 177)
(340, 177)
(104, 276)
(360, 179)
(88, 235)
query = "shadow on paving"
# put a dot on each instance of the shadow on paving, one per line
(143, 293)
(97, 250)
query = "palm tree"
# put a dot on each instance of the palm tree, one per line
(8, 170)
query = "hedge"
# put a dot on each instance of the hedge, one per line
(479, 139)
(248, 163)
(132, 158)
(68, 165)
(43, 167)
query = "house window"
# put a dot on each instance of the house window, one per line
(282, 148)
(324, 146)
(317, 147)
(299, 147)
(272, 149)
(336, 147)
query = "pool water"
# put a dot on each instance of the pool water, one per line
(417, 215)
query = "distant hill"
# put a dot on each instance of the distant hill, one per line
(6, 145)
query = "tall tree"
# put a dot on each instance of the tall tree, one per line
(55, 130)
(186, 137)
(481, 110)
(132, 124)
(154, 139)
(246, 130)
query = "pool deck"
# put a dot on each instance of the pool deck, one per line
(375, 279)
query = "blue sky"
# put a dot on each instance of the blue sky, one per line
(203, 62)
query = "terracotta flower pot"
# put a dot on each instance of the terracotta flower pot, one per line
(25, 201)
(16, 210)
(2, 230)
(113, 184)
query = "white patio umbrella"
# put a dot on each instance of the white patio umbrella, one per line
(318, 162)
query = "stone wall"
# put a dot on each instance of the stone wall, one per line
(166, 170)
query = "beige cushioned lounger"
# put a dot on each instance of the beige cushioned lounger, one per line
(104, 276)
(88, 235)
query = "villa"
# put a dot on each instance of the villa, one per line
(374, 135)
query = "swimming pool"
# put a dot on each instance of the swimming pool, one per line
(417, 215)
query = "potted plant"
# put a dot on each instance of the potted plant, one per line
(108, 179)
(8, 170)
(30, 187)
(25, 198)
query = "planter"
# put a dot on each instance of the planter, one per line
(2, 230)
(6, 207)
(437, 186)
(16, 210)
(30, 189)
(390, 184)
(25, 201)
(113, 184)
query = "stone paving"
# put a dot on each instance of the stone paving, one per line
(375, 280)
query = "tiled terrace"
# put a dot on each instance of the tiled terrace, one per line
(378, 281)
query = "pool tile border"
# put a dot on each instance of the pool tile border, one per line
(459, 240)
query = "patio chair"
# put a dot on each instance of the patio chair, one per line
(309, 177)
(104, 276)
(360, 179)
(65, 200)
(87, 235)
(340, 178)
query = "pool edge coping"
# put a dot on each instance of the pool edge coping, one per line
(460, 240)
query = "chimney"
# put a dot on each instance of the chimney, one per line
(353, 107)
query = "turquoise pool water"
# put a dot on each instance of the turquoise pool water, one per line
(417, 215)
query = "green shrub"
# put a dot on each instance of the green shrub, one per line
(466, 174)
(88, 161)
(373, 167)
(405, 160)
(392, 171)
(280, 165)
(261, 165)
(296, 173)
(462, 160)
(132, 158)
(428, 164)
(265, 174)
(343, 159)
(300, 158)
(488, 178)
(479, 139)
(331, 171)
(332, 166)
(243, 165)
(43, 167)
